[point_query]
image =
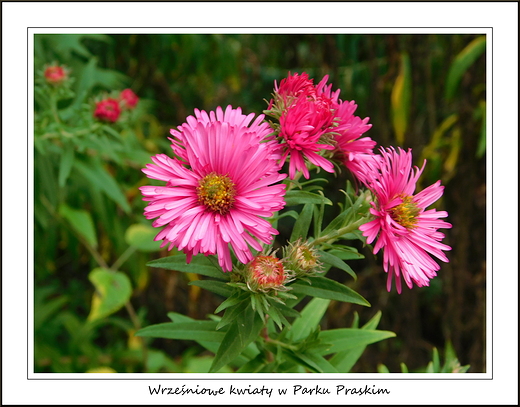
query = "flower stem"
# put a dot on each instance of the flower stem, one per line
(332, 236)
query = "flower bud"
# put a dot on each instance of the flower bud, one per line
(302, 258)
(107, 110)
(265, 273)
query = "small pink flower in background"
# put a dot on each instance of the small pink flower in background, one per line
(55, 74)
(128, 99)
(219, 189)
(405, 231)
(107, 110)
(266, 272)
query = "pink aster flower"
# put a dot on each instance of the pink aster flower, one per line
(55, 74)
(349, 128)
(404, 229)
(107, 110)
(301, 128)
(128, 99)
(219, 188)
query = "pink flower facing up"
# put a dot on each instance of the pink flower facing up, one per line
(403, 228)
(107, 110)
(128, 99)
(218, 188)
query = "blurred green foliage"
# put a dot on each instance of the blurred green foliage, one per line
(425, 92)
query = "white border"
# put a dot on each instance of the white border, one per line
(456, 389)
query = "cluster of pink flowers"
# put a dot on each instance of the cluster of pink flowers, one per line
(222, 182)
(109, 109)
(315, 125)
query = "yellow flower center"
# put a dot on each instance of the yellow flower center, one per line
(406, 213)
(216, 192)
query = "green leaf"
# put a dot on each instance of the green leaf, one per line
(241, 333)
(310, 317)
(345, 360)
(81, 222)
(43, 311)
(401, 99)
(193, 330)
(462, 63)
(217, 287)
(142, 237)
(382, 369)
(337, 223)
(199, 264)
(301, 226)
(334, 261)
(66, 161)
(296, 197)
(323, 287)
(349, 338)
(101, 179)
(113, 290)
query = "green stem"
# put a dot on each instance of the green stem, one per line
(124, 257)
(332, 236)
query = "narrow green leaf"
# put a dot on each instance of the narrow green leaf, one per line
(310, 317)
(344, 361)
(240, 334)
(337, 223)
(323, 364)
(217, 287)
(301, 226)
(404, 368)
(234, 299)
(335, 261)
(401, 99)
(436, 361)
(66, 161)
(462, 63)
(113, 290)
(199, 264)
(481, 149)
(194, 330)
(142, 237)
(296, 197)
(382, 369)
(250, 352)
(349, 338)
(44, 311)
(323, 287)
(101, 179)
(81, 222)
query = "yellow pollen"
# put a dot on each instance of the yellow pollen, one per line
(216, 192)
(406, 213)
